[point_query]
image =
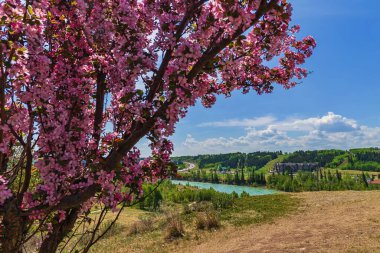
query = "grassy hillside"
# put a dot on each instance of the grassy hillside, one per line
(364, 159)
(270, 165)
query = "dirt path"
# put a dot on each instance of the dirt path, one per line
(332, 222)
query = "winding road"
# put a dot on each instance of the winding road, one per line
(190, 166)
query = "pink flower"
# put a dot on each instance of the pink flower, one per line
(5, 193)
(86, 83)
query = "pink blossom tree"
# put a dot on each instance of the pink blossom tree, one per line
(82, 81)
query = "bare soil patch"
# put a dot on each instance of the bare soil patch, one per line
(331, 222)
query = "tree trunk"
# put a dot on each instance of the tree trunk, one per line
(60, 230)
(14, 228)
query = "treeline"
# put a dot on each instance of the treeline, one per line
(322, 157)
(364, 159)
(366, 154)
(232, 160)
(238, 177)
(320, 181)
(363, 166)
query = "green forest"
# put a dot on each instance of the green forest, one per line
(232, 160)
(363, 159)
(352, 169)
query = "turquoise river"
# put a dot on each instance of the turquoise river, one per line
(252, 191)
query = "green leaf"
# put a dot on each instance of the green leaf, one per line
(126, 98)
(30, 10)
(49, 15)
(140, 92)
(3, 20)
(21, 50)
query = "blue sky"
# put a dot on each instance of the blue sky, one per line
(337, 106)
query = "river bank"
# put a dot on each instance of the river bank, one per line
(252, 191)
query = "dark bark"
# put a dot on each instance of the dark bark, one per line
(14, 228)
(60, 231)
(3, 158)
(100, 93)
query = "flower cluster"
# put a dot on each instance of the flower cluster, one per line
(84, 81)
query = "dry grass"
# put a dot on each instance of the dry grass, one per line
(207, 220)
(328, 222)
(145, 224)
(124, 240)
(175, 227)
(175, 230)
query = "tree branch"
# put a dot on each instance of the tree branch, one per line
(100, 93)
(215, 49)
(117, 154)
(168, 55)
(29, 157)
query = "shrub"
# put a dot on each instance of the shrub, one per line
(187, 208)
(223, 200)
(244, 194)
(201, 206)
(145, 224)
(207, 220)
(152, 198)
(174, 228)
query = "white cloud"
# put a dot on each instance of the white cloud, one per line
(329, 123)
(325, 132)
(255, 122)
